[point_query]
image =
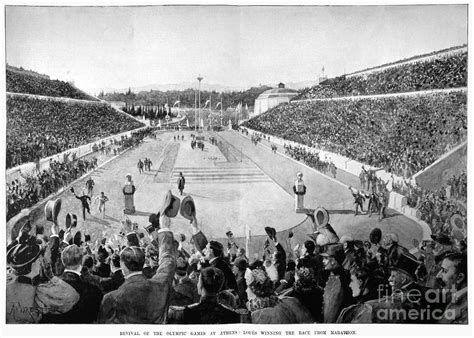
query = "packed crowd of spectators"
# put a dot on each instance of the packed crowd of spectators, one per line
(158, 277)
(31, 189)
(311, 159)
(405, 134)
(27, 83)
(34, 187)
(437, 208)
(449, 71)
(39, 128)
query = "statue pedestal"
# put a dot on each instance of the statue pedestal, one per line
(128, 192)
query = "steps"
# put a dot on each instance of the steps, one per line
(221, 174)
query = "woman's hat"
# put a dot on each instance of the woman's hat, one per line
(170, 205)
(188, 208)
(24, 253)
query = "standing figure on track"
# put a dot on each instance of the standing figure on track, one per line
(101, 199)
(85, 199)
(90, 186)
(140, 166)
(300, 190)
(359, 200)
(362, 177)
(145, 163)
(181, 181)
(149, 164)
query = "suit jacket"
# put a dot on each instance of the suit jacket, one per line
(113, 282)
(209, 311)
(221, 264)
(85, 310)
(141, 300)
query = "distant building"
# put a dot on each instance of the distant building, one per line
(271, 98)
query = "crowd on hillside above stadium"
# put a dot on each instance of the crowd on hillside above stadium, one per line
(404, 134)
(34, 187)
(27, 83)
(39, 128)
(448, 71)
(158, 277)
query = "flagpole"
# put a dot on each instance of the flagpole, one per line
(199, 78)
(195, 112)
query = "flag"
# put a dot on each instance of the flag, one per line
(246, 107)
(159, 123)
(202, 123)
(187, 123)
(217, 105)
(205, 104)
(176, 103)
(166, 105)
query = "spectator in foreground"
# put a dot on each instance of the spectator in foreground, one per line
(208, 310)
(267, 308)
(138, 299)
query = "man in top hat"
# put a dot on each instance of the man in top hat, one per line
(85, 199)
(442, 245)
(140, 300)
(181, 181)
(453, 276)
(337, 293)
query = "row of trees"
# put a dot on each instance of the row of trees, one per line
(186, 97)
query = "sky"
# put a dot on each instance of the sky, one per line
(120, 47)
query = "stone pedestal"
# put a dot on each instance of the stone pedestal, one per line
(128, 192)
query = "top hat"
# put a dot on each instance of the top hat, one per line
(188, 209)
(406, 264)
(375, 235)
(52, 209)
(442, 238)
(271, 232)
(21, 223)
(170, 205)
(154, 220)
(24, 253)
(77, 238)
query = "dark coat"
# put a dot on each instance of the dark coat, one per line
(208, 311)
(85, 311)
(140, 300)
(221, 264)
(113, 282)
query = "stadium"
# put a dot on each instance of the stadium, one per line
(308, 211)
